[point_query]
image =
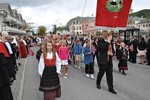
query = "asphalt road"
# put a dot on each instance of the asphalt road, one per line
(134, 86)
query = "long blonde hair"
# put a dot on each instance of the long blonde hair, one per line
(53, 49)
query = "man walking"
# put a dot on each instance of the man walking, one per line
(105, 61)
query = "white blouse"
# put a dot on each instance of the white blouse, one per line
(49, 56)
(9, 47)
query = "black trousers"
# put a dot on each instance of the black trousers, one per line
(108, 68)
(134, 55)
(95, 55)
(148, 58)
(89, 68)
(6, 93)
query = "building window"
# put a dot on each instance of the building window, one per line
(80, 28)
(73, 23)
(77, 21)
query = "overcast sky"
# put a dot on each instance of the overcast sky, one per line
(59, 12)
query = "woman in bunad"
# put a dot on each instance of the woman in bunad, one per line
(23, 50)
(49, 69)
(13, 55)
(122, 56)
(10, 65)
(5, 90)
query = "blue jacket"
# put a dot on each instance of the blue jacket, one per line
(88, 58)
(77, 49)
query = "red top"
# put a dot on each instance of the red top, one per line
(57, 46)
(3, 50)
(50, 62)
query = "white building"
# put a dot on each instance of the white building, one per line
(10, 20)
(144, 26)
(140, 23)
(81, 25)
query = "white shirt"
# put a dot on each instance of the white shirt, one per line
(49, 56)
(24, 42)
(14, 41)
(9, 47)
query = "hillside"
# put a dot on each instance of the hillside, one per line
(142, 13)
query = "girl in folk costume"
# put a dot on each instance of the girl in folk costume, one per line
(49, 68)
(40, 51)
(57, 45)
(64, 56)
(122, 56)
(88, 60)
(23, 50)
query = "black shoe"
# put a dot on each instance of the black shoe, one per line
(124, 73)
(112, 91)
(120, 70)
(147, 64)
(98, 87)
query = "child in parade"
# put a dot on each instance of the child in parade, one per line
(64, 56)
(122, 56)
(88, 60)
(57, 45)
(49, 69)
(40, 51)
(77, 50)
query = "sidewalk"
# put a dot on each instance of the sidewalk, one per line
(15, 87)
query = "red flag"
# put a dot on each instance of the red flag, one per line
(112, 13)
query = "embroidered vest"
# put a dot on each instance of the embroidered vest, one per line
(50, 62)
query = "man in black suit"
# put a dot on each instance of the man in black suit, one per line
(105, 61)
(148, 50)
(133, 54)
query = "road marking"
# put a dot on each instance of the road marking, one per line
(21, 86)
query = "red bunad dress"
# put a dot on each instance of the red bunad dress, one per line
(57, 46)
(23, 50)
(50, 83)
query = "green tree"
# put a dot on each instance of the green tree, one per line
(42, 30)
(60, 28)
(54, 29)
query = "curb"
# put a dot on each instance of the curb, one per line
(21, 86)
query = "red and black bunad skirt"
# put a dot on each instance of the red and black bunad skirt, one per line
(122, 65)
(50, 83)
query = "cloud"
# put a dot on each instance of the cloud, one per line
(28, 3)
(59, 12)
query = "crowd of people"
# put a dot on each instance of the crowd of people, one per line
(56, 52)
(84, 49)
(12, 48)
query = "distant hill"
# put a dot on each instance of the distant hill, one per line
(142, 13)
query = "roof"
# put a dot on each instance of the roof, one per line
(144, 22)
(3, 6)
